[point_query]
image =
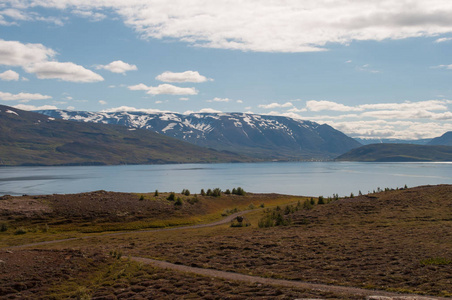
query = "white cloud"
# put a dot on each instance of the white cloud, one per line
(184, 99)
(9, 75)
(239, 101)
(118, 66)
(3, 22)
(391, 129)
(163, 89)
(449, 67)
(428, 105)
(25, 79)
(314, 105)
(32, 107)
(65, 71)
(271, 26)
(94, 16)
(407, 114)
(187, 76)
(15, 14)
(25, 97)
(202, 111)
(442, 40)
(402, 120)
(14, 53)
(138, 87)
(70, 108)
(216, 99)
(295, 110)
(209, 111)
(158, 102)
(133, 109)
(35, 58)
(275, 105)
(102, 102)
(366, 68)
(168, 89)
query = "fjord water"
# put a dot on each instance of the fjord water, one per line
(295, 178)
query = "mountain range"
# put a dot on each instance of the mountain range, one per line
(398, 153)
(28, 138)
(258, 136)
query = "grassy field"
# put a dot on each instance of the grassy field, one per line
(29, 219)
(394, 240)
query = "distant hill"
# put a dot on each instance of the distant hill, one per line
(398, 153)
(393, 141)
(259, 136)
(445, 140)
(28, 138)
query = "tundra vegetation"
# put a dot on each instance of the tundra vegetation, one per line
(394, 239)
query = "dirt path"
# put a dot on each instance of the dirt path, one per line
(370, 294)
(216, 223)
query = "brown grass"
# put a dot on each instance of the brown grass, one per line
(379, 241)
(395, 240)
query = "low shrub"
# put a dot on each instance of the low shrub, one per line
(20, 230)
(437, 261)
(171, 197)
(275, 217)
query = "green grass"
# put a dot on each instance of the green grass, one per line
(436, 261)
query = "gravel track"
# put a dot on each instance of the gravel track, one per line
(372, 294)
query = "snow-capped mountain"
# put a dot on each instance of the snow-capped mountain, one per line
(267, 137)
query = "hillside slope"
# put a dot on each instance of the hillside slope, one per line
(28, 138)
(398, 153)
(265, 137)
(445, 140)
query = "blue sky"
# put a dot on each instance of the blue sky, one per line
(371, 70)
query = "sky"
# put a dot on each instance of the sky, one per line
(372, 69)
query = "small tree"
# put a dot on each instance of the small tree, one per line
(227, 192)
(171, 197)
(240, 191)
(178, 202)
(308, 205)
(156, 194)
(187, 193)
(216, 192)
(321, 200)
(203, 193)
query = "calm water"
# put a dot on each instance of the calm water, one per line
(296, 178)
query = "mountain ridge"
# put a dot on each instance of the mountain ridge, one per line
(259, 136)
(398, 153)
(28, 138)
